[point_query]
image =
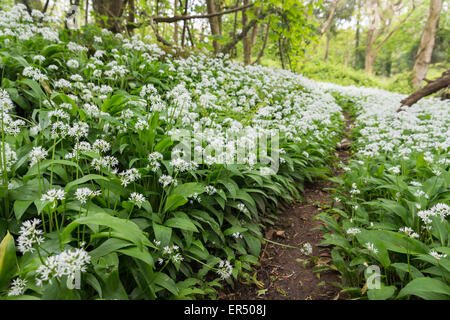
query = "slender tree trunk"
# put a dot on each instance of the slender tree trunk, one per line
(175, 28)
(370, 48)
(112, 10)
(214, 24)
(423, 57)
(183, 34)
(86, 13)
(327, 47)
(234, 52)
(31, 4)
(247, 40)
(358, 30)
(330, 18)
(131, 18)
(261, 52)
(281, 52)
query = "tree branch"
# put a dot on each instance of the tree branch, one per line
(432, 87)
(227, 48)
(202, 16)
(398, 26)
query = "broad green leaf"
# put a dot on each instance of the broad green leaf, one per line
(20, 206)
(382, 293)
(174, 201)
(181, 223)
(137, 253)
(109, 246)
(426, 288)
(8, 260)
(84, 179)
(162, 234)
(188, 189)
(128, 229)
(230, 231)
(163, 280)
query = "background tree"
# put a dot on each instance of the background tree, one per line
(385, 19)
(423, 57)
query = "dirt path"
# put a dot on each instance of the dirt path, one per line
(284, 273)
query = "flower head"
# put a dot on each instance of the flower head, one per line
(29, 235)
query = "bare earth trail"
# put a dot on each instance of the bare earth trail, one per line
(284, 273)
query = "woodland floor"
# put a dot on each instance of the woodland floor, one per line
(284, 273)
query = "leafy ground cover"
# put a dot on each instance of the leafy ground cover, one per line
(92, 197)
(100, 200)
(391, 208)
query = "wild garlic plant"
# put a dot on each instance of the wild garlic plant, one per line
(392, 209)
(92, 145)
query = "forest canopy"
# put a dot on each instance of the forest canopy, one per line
(393, 44)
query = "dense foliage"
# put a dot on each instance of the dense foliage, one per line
(91, 184)
(392, 208)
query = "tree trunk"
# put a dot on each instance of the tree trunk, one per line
(358, 22)
(31, 4)
(183, 34)
(370, 47)
(235, 24)
(214, 24)
(112, 11)
(175, 28)
(432, 87)
(86, 13)
(131, 19)
(327, 47)
(370, 61)
(261, 52)
(247, 40)
(330, 18)
(423, 57)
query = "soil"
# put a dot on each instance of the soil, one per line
(285, 273)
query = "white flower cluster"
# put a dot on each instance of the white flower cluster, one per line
(29, 236)
(128, 176)
(441, 209)
(53, 195)
(421, 128)
(166, 180)
(225, 269)
(306, 249)
(67, 263)
(18, 287)
(84, 194)
(136, 198)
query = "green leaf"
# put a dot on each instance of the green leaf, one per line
(181, 223)
(403, 267)
(109, 246)
(84, 179)
(20, 206)
(126, 228)
(253, 244)
(162, 234)
(188, 189)
(43, 165)
(141, 254)
(163, 280)
(426, 288)
(8, 260)
(230, 231)
(383, 293)
(163, 144)
(174, 201)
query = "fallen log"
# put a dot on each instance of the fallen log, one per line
(431, 87)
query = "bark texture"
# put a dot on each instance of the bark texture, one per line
(423, 57)
(432, 87)
(111, 11)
